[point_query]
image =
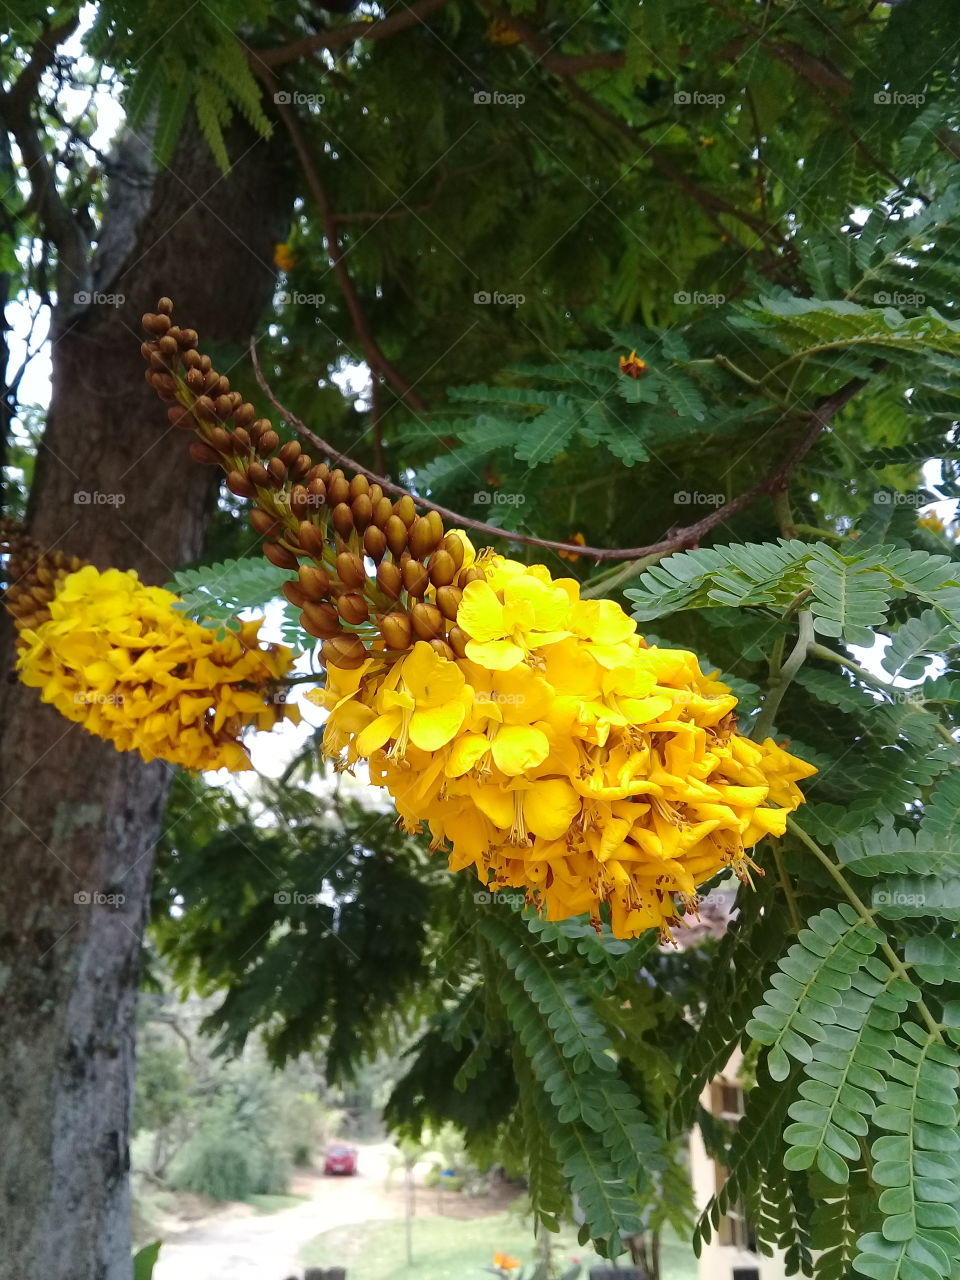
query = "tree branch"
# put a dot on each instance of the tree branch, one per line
(378, 362)
(673, 540)
(58, 224)
(337, 37)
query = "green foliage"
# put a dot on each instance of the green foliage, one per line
(215, 594)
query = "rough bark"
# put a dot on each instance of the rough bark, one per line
(78, 819)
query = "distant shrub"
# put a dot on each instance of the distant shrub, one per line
(227, 1161)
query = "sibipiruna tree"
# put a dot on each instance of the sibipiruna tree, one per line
(494, 202)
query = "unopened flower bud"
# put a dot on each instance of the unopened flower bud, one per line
(352, 608)
(374, 543)
(278, 471)
(280, 556)
(415, 578)
(473, 574)
(396, 629)
(362, 509)
(342, 516)
(294, 594)
(441, 647)
(427, 621)
(350, 569)
(264, 523)
(406, 510)
(267, 442)
(382, 511)
(457, 639)
(344, 651)
(259, 475)
(338, 488)
(448, 601)
(359, 484)
(389, 579)
(442, 568)
(238, 483)
(312, 539)
(314, 582)
(202, 453)
(290, 452)
(396, 535)
(320, 620)
(420, 538)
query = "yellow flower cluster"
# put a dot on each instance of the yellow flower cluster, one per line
(119, 658)
(562, 755)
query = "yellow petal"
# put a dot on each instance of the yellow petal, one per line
(549, 806)
(517, 748)
(432, 727)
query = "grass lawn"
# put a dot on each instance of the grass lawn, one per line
(456, 1249)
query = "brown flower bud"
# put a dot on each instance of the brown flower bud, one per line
(448, 601)
(396, 629)
(165, 306)
(167, 346)
(280, 556)
(359, 484)
(299, 500)
(312, 539)
(396, 535)
(290, 452)
(241, 439)
(427, 621)
(441, 647)
(415, 578)
(156, 324)
(220, 439)
(406, 510)
(374, 543)
(318, 491)
(147, 349)
(294, 594)
(244, 416)
(180, 417)
(344, 651)
(382, 511)
(454, 547)
(211, 381)
(352, 608)
(223, 406)
(420, 539)
(278, 471)
(321, 620)
(338, 488)
(205, 363)
(442, 569)
(362, 509)
(389, 579)
(268, 441)
(323, 472)
(259, 475)
(435, 520)
(238, 483)
(375, 494)
(188, 339)
(191, 359)
(342, 516)
(204, 409)
(457, 640)
(264, 523)
(350, 570)
(314, 582)
(202, 453)
(473, 574)
(302, 466)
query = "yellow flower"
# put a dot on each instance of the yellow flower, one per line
(930, 520)
(505, 1262)
(500, 32)
(119, 658)
(421, 701)
(505, 626)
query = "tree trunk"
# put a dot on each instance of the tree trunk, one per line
(79, 820)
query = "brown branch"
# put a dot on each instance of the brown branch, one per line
(337, 37)
(58, 224)
(674, 540)
(378, 362)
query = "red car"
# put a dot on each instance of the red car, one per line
(340, 1159)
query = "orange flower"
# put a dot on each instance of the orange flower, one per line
(580, 540)
(283, 259)
(500, 32)
(505, 1262)
(632, 365)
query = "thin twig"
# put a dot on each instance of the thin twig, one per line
(784, 677)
